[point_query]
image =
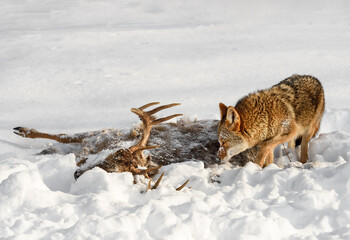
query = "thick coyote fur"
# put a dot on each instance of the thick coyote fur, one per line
(289, 110)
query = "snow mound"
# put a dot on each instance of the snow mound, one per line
(39, 198)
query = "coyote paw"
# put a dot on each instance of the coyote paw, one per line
(23, 131)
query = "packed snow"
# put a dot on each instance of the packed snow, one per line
(73, 66)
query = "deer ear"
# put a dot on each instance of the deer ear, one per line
(232, 117)
(223, 110)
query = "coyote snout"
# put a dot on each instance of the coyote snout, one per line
(291, 109)
(231, 142)
(226, 154)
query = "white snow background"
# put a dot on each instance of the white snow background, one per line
(77, 65)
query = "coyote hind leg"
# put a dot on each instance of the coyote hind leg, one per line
(62, 138)
(305, 141)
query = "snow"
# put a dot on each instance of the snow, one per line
(70, 66)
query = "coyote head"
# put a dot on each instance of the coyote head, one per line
(231, 139)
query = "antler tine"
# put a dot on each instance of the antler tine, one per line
(158, 181)
(151, 112)
(160, 120)
(135, 149)
(182, 186)
(149, 187)
(137, 111)
(148, 105)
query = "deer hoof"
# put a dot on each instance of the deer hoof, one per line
(19, 131)
(23, 131)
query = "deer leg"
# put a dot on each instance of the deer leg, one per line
(62, 138)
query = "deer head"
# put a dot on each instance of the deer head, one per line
(130, 159)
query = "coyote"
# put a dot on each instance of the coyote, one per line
(287, 111)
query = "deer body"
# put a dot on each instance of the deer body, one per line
(178, 142)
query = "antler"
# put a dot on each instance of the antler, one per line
(148, 121)
(149, 187)
(128, 160)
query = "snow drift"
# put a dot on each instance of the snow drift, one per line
(73, 66)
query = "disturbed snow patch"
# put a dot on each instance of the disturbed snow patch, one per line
(39, 197)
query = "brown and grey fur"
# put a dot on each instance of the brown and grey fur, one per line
(290, 109)
(179, 142)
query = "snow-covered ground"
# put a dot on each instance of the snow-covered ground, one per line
(71, 66)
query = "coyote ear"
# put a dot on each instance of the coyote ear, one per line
(232, 117)
(223, 110)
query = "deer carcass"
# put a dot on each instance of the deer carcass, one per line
(170, 143)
